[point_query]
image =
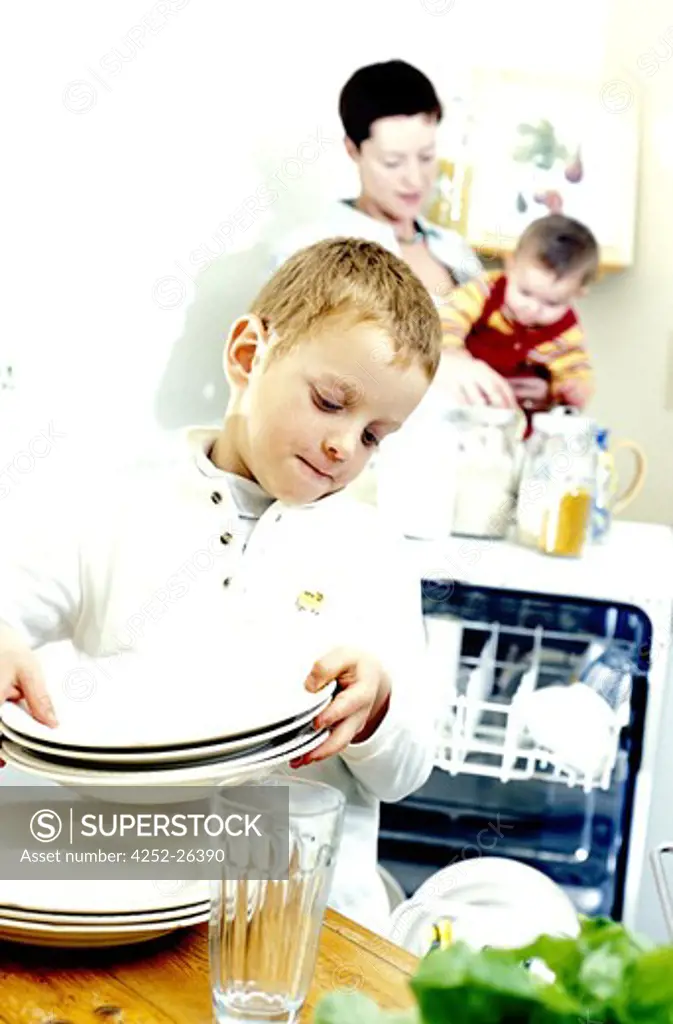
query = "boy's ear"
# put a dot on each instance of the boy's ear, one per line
(244, 348)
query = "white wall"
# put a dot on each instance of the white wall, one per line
(143, 141)
(139, 136)
(630, 318)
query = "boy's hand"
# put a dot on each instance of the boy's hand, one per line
(21, 679)
(357, 711)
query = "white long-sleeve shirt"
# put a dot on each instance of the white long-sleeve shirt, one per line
(160, 558)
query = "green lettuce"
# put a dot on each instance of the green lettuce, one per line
(355, 1008)
(604, 976)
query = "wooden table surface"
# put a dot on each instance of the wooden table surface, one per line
(167, 980)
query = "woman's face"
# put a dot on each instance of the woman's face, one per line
(398, 164)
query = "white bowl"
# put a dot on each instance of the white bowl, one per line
(494, 925)
(491, 901)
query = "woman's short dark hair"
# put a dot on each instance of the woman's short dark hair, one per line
(389, 89)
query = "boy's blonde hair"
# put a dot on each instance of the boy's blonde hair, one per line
(355, 282)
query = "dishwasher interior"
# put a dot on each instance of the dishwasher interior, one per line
(495, 789)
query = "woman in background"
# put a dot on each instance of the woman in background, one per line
(390, 113)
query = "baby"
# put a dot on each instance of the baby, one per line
(513, 337)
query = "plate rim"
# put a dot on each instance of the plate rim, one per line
(206, 772)
(149, 755)
(31, 915)
(16, 714)
(8, 925)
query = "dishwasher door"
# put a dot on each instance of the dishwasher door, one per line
(496, 792)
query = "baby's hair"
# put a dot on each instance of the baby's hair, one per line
(390, 89)
(562, 245)
(349, 282)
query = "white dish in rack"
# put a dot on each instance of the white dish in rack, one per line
(574, 723)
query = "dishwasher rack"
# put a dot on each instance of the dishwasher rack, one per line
(499, 667)
(493, 790)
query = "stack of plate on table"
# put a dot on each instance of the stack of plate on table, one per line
(98, 912)
(131, 721)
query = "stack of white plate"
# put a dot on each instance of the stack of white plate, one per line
(130, 722)
(98, 912)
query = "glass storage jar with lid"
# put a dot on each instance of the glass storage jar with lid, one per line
(488, 461)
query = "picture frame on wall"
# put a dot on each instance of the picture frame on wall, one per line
(543, 145)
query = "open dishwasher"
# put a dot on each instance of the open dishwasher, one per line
(495, 790)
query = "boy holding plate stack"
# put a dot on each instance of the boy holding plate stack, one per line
(335, 353)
